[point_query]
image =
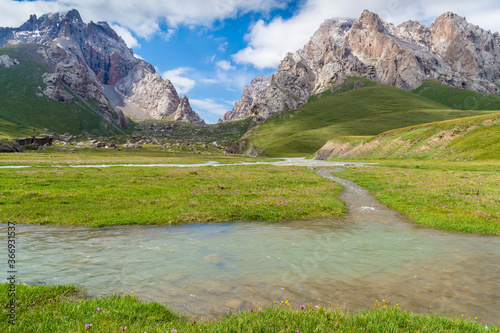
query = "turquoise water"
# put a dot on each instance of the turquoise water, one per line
(205, 269)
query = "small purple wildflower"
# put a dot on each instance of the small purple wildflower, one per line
(302, 306)
(174, 331)
(259, 310)
(88, 326)
(99, 309)
(251, 309)
(123, 328)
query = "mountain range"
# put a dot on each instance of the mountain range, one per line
(450, 50)
(353, 78)
(91, 62)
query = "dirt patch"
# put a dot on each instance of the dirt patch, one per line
(490, 121)
(331, 149)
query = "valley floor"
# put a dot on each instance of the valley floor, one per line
(459, 196)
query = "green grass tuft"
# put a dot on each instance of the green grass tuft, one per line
(61, 308)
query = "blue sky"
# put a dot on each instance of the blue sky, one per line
(210, 49)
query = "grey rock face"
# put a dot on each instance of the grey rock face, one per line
(151, 93)
(451, 50)
(6, 61)
(241, 108)
(10, 147)
(186, 114)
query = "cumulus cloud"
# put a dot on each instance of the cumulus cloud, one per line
(14, 13)
(182, 83)
(268, 43)
(141, 17)
(126, 35)
(209, 106)
(224, 65)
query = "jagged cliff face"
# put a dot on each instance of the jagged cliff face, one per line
(450, 50)
(95, 62)
(241, 108)
(186, 114)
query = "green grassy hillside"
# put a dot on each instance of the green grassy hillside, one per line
(471, 138)
(23, 113)
(460, 99)
(369, 110)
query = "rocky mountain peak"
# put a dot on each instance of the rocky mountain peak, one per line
(241, 108)
(186, 114)
(450, 50)
(370, 22)
(95, 62)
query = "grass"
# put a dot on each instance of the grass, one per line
(62, 308)
(159, 195)
(440, 196)
(465, 139)
(146, 155)
(369, 110)
(460, 99)
(22, 111)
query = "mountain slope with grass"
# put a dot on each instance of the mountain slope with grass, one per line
(25, 110)
(471, 138)
(366, 111)
(460, 99)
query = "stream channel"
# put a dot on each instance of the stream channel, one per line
(370, 254)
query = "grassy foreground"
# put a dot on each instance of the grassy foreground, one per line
(438, 195)
(164, 195)
(62, 308)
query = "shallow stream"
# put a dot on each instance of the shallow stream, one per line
(370, 254)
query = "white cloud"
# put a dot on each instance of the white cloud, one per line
(14, 13)
(182, 84)
(223, 46)
(167, 35)
(141, 17)
(268, 43)
(224, 65)
(126, 35)
(209, 106)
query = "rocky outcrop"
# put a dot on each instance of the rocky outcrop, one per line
(450, 50)
(186, 114)
(472, 53)
(6, 61)
(95, 63)
(151, 93)
(241, 108)
(68, 72)
(10, 147)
